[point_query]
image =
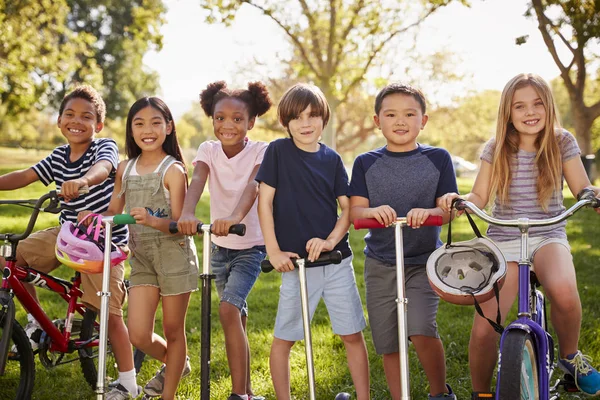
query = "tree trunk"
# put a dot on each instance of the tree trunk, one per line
(329, 133)
(583, 124)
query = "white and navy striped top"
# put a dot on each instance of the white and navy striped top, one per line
(58, 168)
(522, 193)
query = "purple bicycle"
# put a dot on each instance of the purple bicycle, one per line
(526, 360)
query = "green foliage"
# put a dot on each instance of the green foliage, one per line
(47, 46)
(463, 128)
(335, 43)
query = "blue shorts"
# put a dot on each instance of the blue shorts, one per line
(336, 284)
(235, 273)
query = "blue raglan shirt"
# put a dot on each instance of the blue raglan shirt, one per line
(307, 186)
(403, 180)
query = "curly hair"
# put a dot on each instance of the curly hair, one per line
(256, 97)
(90, 94)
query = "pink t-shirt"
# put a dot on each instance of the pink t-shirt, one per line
(227, 179)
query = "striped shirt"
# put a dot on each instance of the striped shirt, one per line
(522, 194)
(58, 168)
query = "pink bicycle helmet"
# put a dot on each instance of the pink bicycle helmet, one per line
(80, 248)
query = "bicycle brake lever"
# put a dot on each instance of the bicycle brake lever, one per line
(54, 207)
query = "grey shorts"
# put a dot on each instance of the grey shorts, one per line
(380, 282)
(336, 284)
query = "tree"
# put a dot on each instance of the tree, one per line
(337, 41)
(575, 24)
(124, 30)
(463, 128)
(46, 46)
(36, 51)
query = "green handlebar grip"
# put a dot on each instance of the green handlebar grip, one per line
(123, 219)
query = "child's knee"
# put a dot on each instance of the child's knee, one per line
(174, 332)
(353, 338)
(139, 338)
(282, 344)
(483, 332)
(228, 312)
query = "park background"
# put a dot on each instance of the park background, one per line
(461, 53)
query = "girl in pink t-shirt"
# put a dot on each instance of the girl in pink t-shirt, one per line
(230, 165)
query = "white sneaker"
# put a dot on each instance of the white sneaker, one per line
(30, 329)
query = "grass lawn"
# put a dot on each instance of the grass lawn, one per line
(332, 376)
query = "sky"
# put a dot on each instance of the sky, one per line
(482, 37)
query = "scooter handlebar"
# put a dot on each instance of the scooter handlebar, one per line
(326, 258)
(372, 223)
(237, 229)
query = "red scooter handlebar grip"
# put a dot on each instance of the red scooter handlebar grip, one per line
(372, 223)
(433, 220)
(367, 223)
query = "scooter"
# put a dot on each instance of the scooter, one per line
(401, 300)
(206, 277)
(333, 257)
(108, 223)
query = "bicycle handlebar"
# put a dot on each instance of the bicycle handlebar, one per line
(53, 207)
(326, 258)
(372, 223)
(586, 198)
(237, 229)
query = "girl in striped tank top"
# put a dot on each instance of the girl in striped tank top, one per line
(522, 169)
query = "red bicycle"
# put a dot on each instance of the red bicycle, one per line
(77, 333)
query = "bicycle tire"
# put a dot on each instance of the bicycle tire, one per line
(88, 357)
(19, 376)
(518, 375)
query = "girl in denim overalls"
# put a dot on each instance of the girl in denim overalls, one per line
(151, 186)
(230, 164)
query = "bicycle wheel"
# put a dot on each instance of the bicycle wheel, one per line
(518, 375)
(88, 357)
(19, 375)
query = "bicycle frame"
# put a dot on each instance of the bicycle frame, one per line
(531, 313)
(70, 292)
(13, 276)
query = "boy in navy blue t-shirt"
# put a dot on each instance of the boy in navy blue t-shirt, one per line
(301, 183)
(403, 178)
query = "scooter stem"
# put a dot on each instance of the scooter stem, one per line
(402, 303)
(306, 323)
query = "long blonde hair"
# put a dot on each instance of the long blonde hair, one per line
(548, 157)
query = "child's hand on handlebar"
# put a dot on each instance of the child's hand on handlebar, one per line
(141, 216)
(416, 217)
(315, 246)
(445, 202)
(385, 215)
(69, 190)
(188, 224)
(282, 262)
(220, 227)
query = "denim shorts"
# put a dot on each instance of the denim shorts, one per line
(336, 284)
(235, 273)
